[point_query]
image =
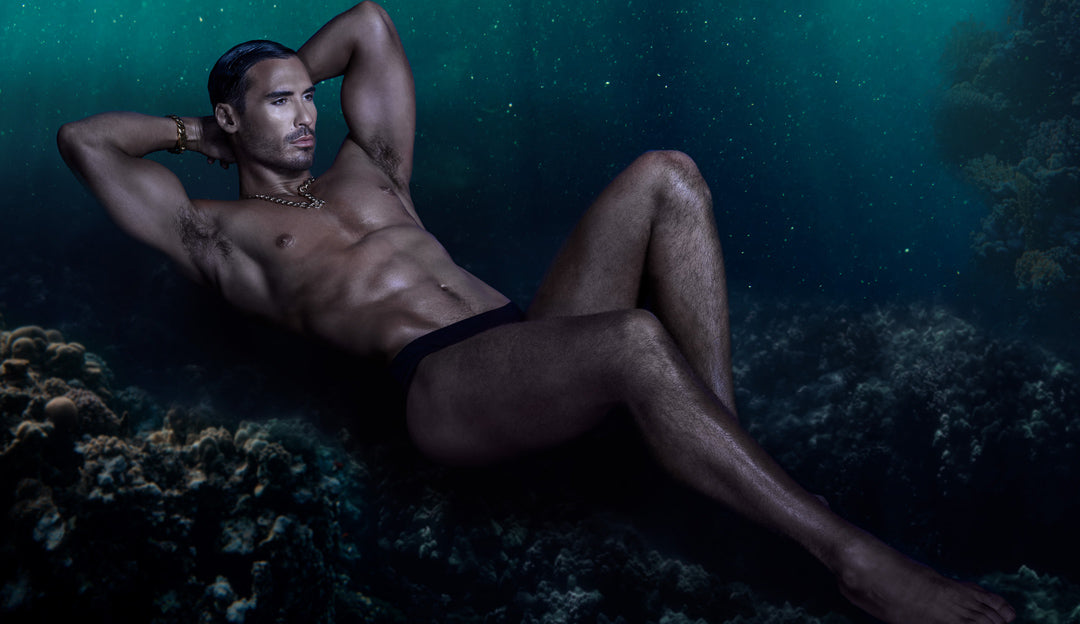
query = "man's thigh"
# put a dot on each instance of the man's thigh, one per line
(599, 267)
(521, 387)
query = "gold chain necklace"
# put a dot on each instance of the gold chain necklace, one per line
(313, 202)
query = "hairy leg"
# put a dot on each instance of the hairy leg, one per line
(651, 234)
(532, 385)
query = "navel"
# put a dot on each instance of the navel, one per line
(449, 290)
(285, 241)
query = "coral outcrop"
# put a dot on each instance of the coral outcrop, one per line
(183, 522)
(1011, 122)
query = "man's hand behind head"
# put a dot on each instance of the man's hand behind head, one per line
(213, 142)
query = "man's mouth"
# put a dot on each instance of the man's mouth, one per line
(302, 138)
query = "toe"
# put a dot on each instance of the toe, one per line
(1002, 608)
(996, 609)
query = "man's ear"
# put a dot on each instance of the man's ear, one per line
(226, 117)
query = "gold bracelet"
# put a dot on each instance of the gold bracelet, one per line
(181, 135)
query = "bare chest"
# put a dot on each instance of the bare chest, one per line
(270, 233)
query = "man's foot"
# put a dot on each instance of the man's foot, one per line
(896, 589)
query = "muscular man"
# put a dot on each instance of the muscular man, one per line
(345, 258)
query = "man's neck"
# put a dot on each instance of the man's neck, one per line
(263, 181)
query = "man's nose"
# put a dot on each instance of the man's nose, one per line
(305, 115)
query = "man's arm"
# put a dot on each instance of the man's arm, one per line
(378, 98)
(144, 198)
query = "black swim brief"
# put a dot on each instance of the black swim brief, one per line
(403, 367)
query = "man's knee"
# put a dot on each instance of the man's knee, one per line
(673, 160)
(636, 326)
(676, 180)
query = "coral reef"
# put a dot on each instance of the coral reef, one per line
(1047, 599)
(1009, 122)
(184, 522)
(914, 416)
(965, 48)
(1041, 270)
(911, 421)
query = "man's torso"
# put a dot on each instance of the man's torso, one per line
(359, 273)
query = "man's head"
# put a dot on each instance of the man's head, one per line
(228, 82)
(264, 99)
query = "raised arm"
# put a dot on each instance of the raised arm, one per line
(144, 198)
(378, 98)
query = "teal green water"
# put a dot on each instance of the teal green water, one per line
(810, 120)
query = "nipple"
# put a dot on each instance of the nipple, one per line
(285, 241)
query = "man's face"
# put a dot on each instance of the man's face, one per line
(277, 129)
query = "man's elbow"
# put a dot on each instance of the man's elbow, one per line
(67, 137)
(73, 138)
(370, 17)
(79, 145)
(367, 6)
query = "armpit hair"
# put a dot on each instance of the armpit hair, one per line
(199, 236)
(385, 157)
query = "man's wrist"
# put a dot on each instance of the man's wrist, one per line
(194, 132)
(188, 134)
(181, 135)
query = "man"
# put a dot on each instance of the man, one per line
(344, 258)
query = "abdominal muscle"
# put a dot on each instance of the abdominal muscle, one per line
(374, 296)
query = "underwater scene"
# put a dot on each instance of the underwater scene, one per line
(896, 185)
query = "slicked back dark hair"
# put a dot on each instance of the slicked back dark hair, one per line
(228, 79)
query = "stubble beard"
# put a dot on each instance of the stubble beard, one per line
(282, 155)
(303, 157)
